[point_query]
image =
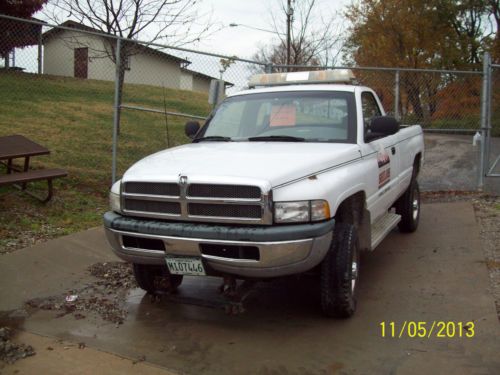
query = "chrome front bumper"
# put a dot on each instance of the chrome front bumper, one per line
(277, 257)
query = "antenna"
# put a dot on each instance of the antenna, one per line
(166, 116)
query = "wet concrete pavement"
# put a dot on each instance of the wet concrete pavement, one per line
(58, 357)
(435, 274)
(451, 163)
(50, 267)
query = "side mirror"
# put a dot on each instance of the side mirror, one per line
(382, 126)
(191, 128)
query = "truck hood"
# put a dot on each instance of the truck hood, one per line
(271, 163)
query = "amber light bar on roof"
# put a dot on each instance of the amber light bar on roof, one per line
(317, 76)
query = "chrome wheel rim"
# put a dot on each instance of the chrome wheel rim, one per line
(415, 208)
(354, 272)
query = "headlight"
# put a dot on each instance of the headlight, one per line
(301, 211)
(291, 212)
(114, 197)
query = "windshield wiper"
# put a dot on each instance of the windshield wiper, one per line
(218, 138)
(277, 138)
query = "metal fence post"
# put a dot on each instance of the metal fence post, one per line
(487, 142)
(40, 56)
(268, 68)
(116, 109)
(484, 119)
(396, 95)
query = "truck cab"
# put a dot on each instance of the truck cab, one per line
(299, 173)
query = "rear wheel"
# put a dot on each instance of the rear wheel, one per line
(154, 278)
(340, 273)
(408, 206)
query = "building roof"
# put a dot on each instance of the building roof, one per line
(78, 26)
(205, 76)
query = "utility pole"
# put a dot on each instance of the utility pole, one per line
(289, 13)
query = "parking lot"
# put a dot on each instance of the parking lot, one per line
(435, 274)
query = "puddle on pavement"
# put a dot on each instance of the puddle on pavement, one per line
(200, 298)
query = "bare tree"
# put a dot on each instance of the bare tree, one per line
(316, 38)
(172, 22)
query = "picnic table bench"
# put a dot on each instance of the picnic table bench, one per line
(17, 146)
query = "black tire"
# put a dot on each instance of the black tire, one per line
(408, 206)
(150, 277)
(340, 273)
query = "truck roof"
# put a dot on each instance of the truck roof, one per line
(303, 87)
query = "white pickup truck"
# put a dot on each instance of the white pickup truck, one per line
(298, 173)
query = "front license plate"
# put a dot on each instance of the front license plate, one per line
(185, 266)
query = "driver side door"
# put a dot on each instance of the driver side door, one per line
(383, 160)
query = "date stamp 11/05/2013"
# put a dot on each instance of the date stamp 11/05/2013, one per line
(437, 329)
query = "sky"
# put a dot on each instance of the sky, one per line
(243, 41)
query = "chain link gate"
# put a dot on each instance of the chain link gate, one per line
(492, 131)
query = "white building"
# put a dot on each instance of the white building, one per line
(83, 55)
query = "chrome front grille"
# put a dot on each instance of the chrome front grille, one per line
(197, 202)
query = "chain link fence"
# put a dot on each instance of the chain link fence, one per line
(438, 100)
(62, 86)
(70, 84)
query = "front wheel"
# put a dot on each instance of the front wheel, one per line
(154, 278)
(408, 206)
(340, 273)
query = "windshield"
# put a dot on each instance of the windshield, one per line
(314, 116)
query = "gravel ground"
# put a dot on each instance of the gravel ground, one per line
(488, 215)
(27, 238)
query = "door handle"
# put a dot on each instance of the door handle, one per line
(393, 150)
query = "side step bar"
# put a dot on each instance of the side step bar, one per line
(382, 226)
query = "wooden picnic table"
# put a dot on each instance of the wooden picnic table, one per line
(17, 146)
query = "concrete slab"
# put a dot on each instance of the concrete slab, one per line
(434, 275)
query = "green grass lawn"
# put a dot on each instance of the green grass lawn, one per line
(74, 118)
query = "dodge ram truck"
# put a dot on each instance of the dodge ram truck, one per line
(299, 173)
